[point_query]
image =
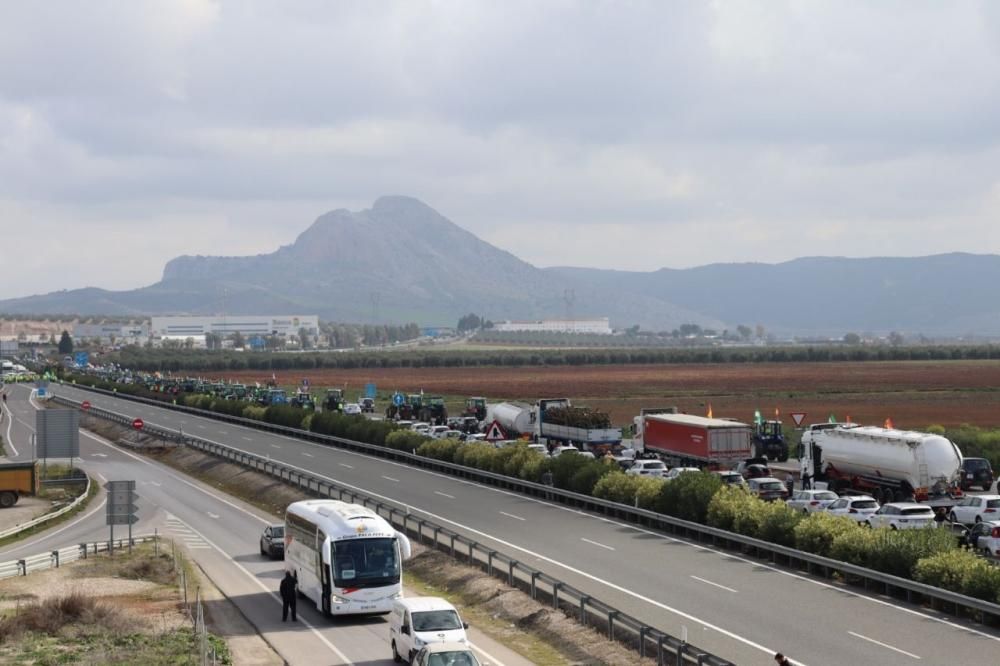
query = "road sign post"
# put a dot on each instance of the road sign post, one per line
(137, 425)
(495, 432)
(798, 417)
(121, 508)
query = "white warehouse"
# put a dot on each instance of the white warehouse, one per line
(600, 326)
(246, 325)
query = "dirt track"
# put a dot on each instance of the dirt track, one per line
(914, 394)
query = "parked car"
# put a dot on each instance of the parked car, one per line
(976, 508)
(421, 427)
(453, 434)
(732, 478)
(437, 432)
(855, 507)
(541, 448)
(367, 405)
(984, 538)
(677, 471)
(647, 468)
(415, 622)
(811, 501)
(902, 516)
(753, 470)
(559, 450)
(767, 488)
(977, 472)
(272, 541)
(446, 654)
(352, 408)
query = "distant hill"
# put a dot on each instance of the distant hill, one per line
(402, 261)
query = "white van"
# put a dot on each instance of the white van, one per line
(417, 621)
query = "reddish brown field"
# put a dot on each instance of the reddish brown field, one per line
(914, 394)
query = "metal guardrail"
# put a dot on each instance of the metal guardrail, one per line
(53, 559)
(590, 611)
(49, 516)
(912, 591)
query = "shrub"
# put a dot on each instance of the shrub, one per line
(961, 571)
(284, 415)
(587, 476)
(688, 495)
(777, 523)
(443, 449)
(815, 533)
(617, 486)
(534, 468)
(405, 440)
(565, 466)
(254, 412)
(894, 552)
(726, 504)
(648, 491)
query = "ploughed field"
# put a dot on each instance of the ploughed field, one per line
(913, 394)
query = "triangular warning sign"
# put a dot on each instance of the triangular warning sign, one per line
(495, 433)
(798, 417)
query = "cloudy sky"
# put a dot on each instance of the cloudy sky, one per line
(619, 135)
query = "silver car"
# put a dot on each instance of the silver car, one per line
(811, 501)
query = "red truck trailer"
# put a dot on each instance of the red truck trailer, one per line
(684, 439)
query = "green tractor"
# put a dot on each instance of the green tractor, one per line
(334, 401)
(433, 411)
(303, 400)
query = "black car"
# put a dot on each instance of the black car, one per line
(976, 472)
(272, 541)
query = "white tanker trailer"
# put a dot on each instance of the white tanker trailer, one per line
(891, 465)
(514, 418)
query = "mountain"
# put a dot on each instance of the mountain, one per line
(399, 261)
(402, 261)
(944, 295)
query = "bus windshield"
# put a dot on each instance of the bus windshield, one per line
(365, 563)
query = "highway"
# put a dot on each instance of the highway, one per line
(221, 533)
(737, 608)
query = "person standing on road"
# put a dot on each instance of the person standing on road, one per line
(288, 585)
(790, 484)
(781, 660)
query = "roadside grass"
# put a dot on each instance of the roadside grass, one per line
(31, 531)
(103, 627)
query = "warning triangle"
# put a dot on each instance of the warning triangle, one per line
(495, 433)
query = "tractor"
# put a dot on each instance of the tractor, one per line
(433, 411)
(334, 401)
(476, 407)
(769, 441)
(303, 400)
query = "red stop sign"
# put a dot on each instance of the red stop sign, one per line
(85, 405)
(137, 424)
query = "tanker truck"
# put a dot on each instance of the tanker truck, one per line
(891, 465)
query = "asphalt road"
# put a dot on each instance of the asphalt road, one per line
(221, 533)
(738, 608)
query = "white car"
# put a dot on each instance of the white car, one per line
(647, 468)
(902, 516)
(452, 434)
(732, 478)
(541, 448)
(984, 538)
(810, 501)
(975, 509)
(446, 654)
(855, 507)
(352, 408)
(677, 471)
(420, 427)
(437, 432)
(559, 450)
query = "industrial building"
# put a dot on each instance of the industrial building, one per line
(599, 326)
(109, 332)
(246, 325)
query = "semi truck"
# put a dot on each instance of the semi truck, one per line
(17, 479)
(555, 420)
(891, 465)
(688, 440)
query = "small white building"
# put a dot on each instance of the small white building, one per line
(599, 326)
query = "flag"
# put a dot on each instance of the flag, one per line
(848, 418)
(888, 423)
(756, 417)
(777, 414)
(832, 419)
(709, 410)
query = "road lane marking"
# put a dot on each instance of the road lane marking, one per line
(249, 439)
(389, 478)
(885, 645)
(346, 465)
(10, 422)
(596, 544)
(214, 516)
(201, 426)
(510, 515)
(708, 582)
(274, 446)
(223, 432)
(438, 492)
(307, 455)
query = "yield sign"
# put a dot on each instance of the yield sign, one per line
(495, 433)
(798, 417)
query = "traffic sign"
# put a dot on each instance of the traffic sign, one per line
(85, 405)
(113, 486)
(798, 417)
(370, 391)
(398, 399)
(495, 433)
(122, 519)
(138, 424)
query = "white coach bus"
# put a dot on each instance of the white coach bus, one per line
(346, 557)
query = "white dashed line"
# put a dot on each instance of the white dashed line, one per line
(708, 582)
(885, 645)
(594, 543)
(510, 515)
(389, 478)
(438, 492)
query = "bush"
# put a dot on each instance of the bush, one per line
(688, 495)
(961, 571)
(777, 523)
(587, 476)
(617, 486)
(815, 533)
(894, 552)
(727, 503)
(405, 440)
(442, 449)
(648, 491)
(284, 415)
(254, 412)
(565, 466)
